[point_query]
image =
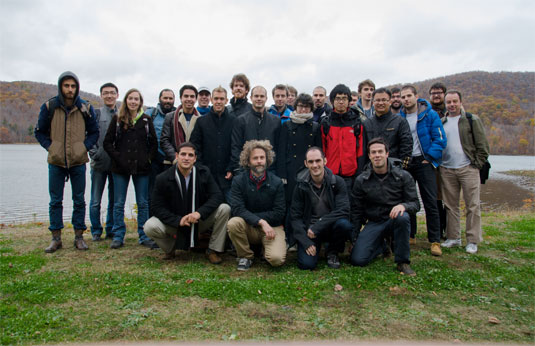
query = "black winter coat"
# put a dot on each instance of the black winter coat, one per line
(372, 198)
(239, 107)
(294, 141)
(252, 205)
(212, 137)
(169, 206)
(301, 208)
(131, 150)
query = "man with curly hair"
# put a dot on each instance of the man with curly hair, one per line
(258, 207)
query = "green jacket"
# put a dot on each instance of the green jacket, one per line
(475, 145)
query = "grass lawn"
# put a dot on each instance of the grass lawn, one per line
(131, 294)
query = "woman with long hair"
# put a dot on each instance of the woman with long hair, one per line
(131, 143)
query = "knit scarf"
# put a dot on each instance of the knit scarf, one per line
(300, 118)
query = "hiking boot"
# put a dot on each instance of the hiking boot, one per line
(79, 242)
(213, 257)
(168, 256)
(55, 244)
(115, 244)
(405, 269)
(97, 237)
(149, 243)
(451, 243)
(435, 249)
(471, 248)
(412, 241)
(333, 261)
(244, 264)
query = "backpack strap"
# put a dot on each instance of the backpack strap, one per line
(471, 121)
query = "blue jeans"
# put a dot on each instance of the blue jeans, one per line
(371, 240)
(98, 181)
(336, 237)
(57, 177)
(141, 186)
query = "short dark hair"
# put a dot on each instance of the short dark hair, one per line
(377, 140)
(164, 90)
(186, 145)
(354, 93)
(109, 85)
(411, 87)
(366, 82)
(240, 77)
(315, 148)
(279, 87)
(340, 89)
(188, 87)
(395, 90)
(455, 92)
(438, 85)
(382, 91)
(305, 99)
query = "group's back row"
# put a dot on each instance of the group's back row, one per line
(138, 143)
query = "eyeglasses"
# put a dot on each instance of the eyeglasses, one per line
(340, 99)
(381, 100)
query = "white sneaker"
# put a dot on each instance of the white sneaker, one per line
(451, 243)
(471, 248)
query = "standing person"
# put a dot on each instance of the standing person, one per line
(429, 140)
(187, 202)
(165, 105)
(179, 125)
(466, 153)
(67, 129)
(257, 202)
(203, 101)
(279, 108)
(366, 88)
(131, 143)
(321, 108)
(395, 106)
(239, 85)
(354, 98)
(292, 94)
(101, 164)
(212, 138)
(319, 212)
(382, 198)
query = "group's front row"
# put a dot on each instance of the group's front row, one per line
(186, 202)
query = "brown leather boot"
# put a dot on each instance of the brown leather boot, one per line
(79, 242)
(55, 244)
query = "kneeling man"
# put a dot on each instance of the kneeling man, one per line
(258, 206)
(319, 212)
(383, 196)
(186, 201)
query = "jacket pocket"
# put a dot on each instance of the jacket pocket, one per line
(79, 153)
(56, 154)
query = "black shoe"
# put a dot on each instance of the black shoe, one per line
(97, 237)
(150, 244)
(115, 244)
(333, 261)
(405, 269)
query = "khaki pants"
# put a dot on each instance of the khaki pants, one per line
(467, 179)
(162, 234)
(242, 234)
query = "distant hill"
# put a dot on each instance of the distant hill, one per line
(504, 100)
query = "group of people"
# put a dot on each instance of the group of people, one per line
(303, 173)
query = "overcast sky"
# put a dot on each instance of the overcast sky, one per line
(159, 44)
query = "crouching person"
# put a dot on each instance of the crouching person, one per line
(186, 201)
(258, 206)
(319, 212)
(382, 198)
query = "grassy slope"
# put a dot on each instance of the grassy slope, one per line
(130, 294)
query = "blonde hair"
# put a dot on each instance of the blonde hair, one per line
(248, 148)
(124, 114)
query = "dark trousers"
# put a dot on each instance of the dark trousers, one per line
(425, 176)
(371, 240)
(336, 237)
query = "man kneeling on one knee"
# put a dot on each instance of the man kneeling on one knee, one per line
(319, 212)
(383, 196)
(258, 206)
(186, 201)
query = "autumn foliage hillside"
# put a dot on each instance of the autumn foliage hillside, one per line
(504, 100)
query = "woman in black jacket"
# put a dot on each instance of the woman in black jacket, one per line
(131, 143)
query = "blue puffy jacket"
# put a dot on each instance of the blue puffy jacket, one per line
(431, 134)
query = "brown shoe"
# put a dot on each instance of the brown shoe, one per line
(412, 241)
(79, 242)
(55, 244)
(405, 269)
(435, 249)
(213, 257)
(168, 256)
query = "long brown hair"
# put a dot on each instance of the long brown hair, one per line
(124, 113)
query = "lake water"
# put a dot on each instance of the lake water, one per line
(24, 185)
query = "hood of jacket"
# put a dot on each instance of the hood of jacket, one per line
(62, 77)
(423, 108)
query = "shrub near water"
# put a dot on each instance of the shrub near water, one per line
(131, 294)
